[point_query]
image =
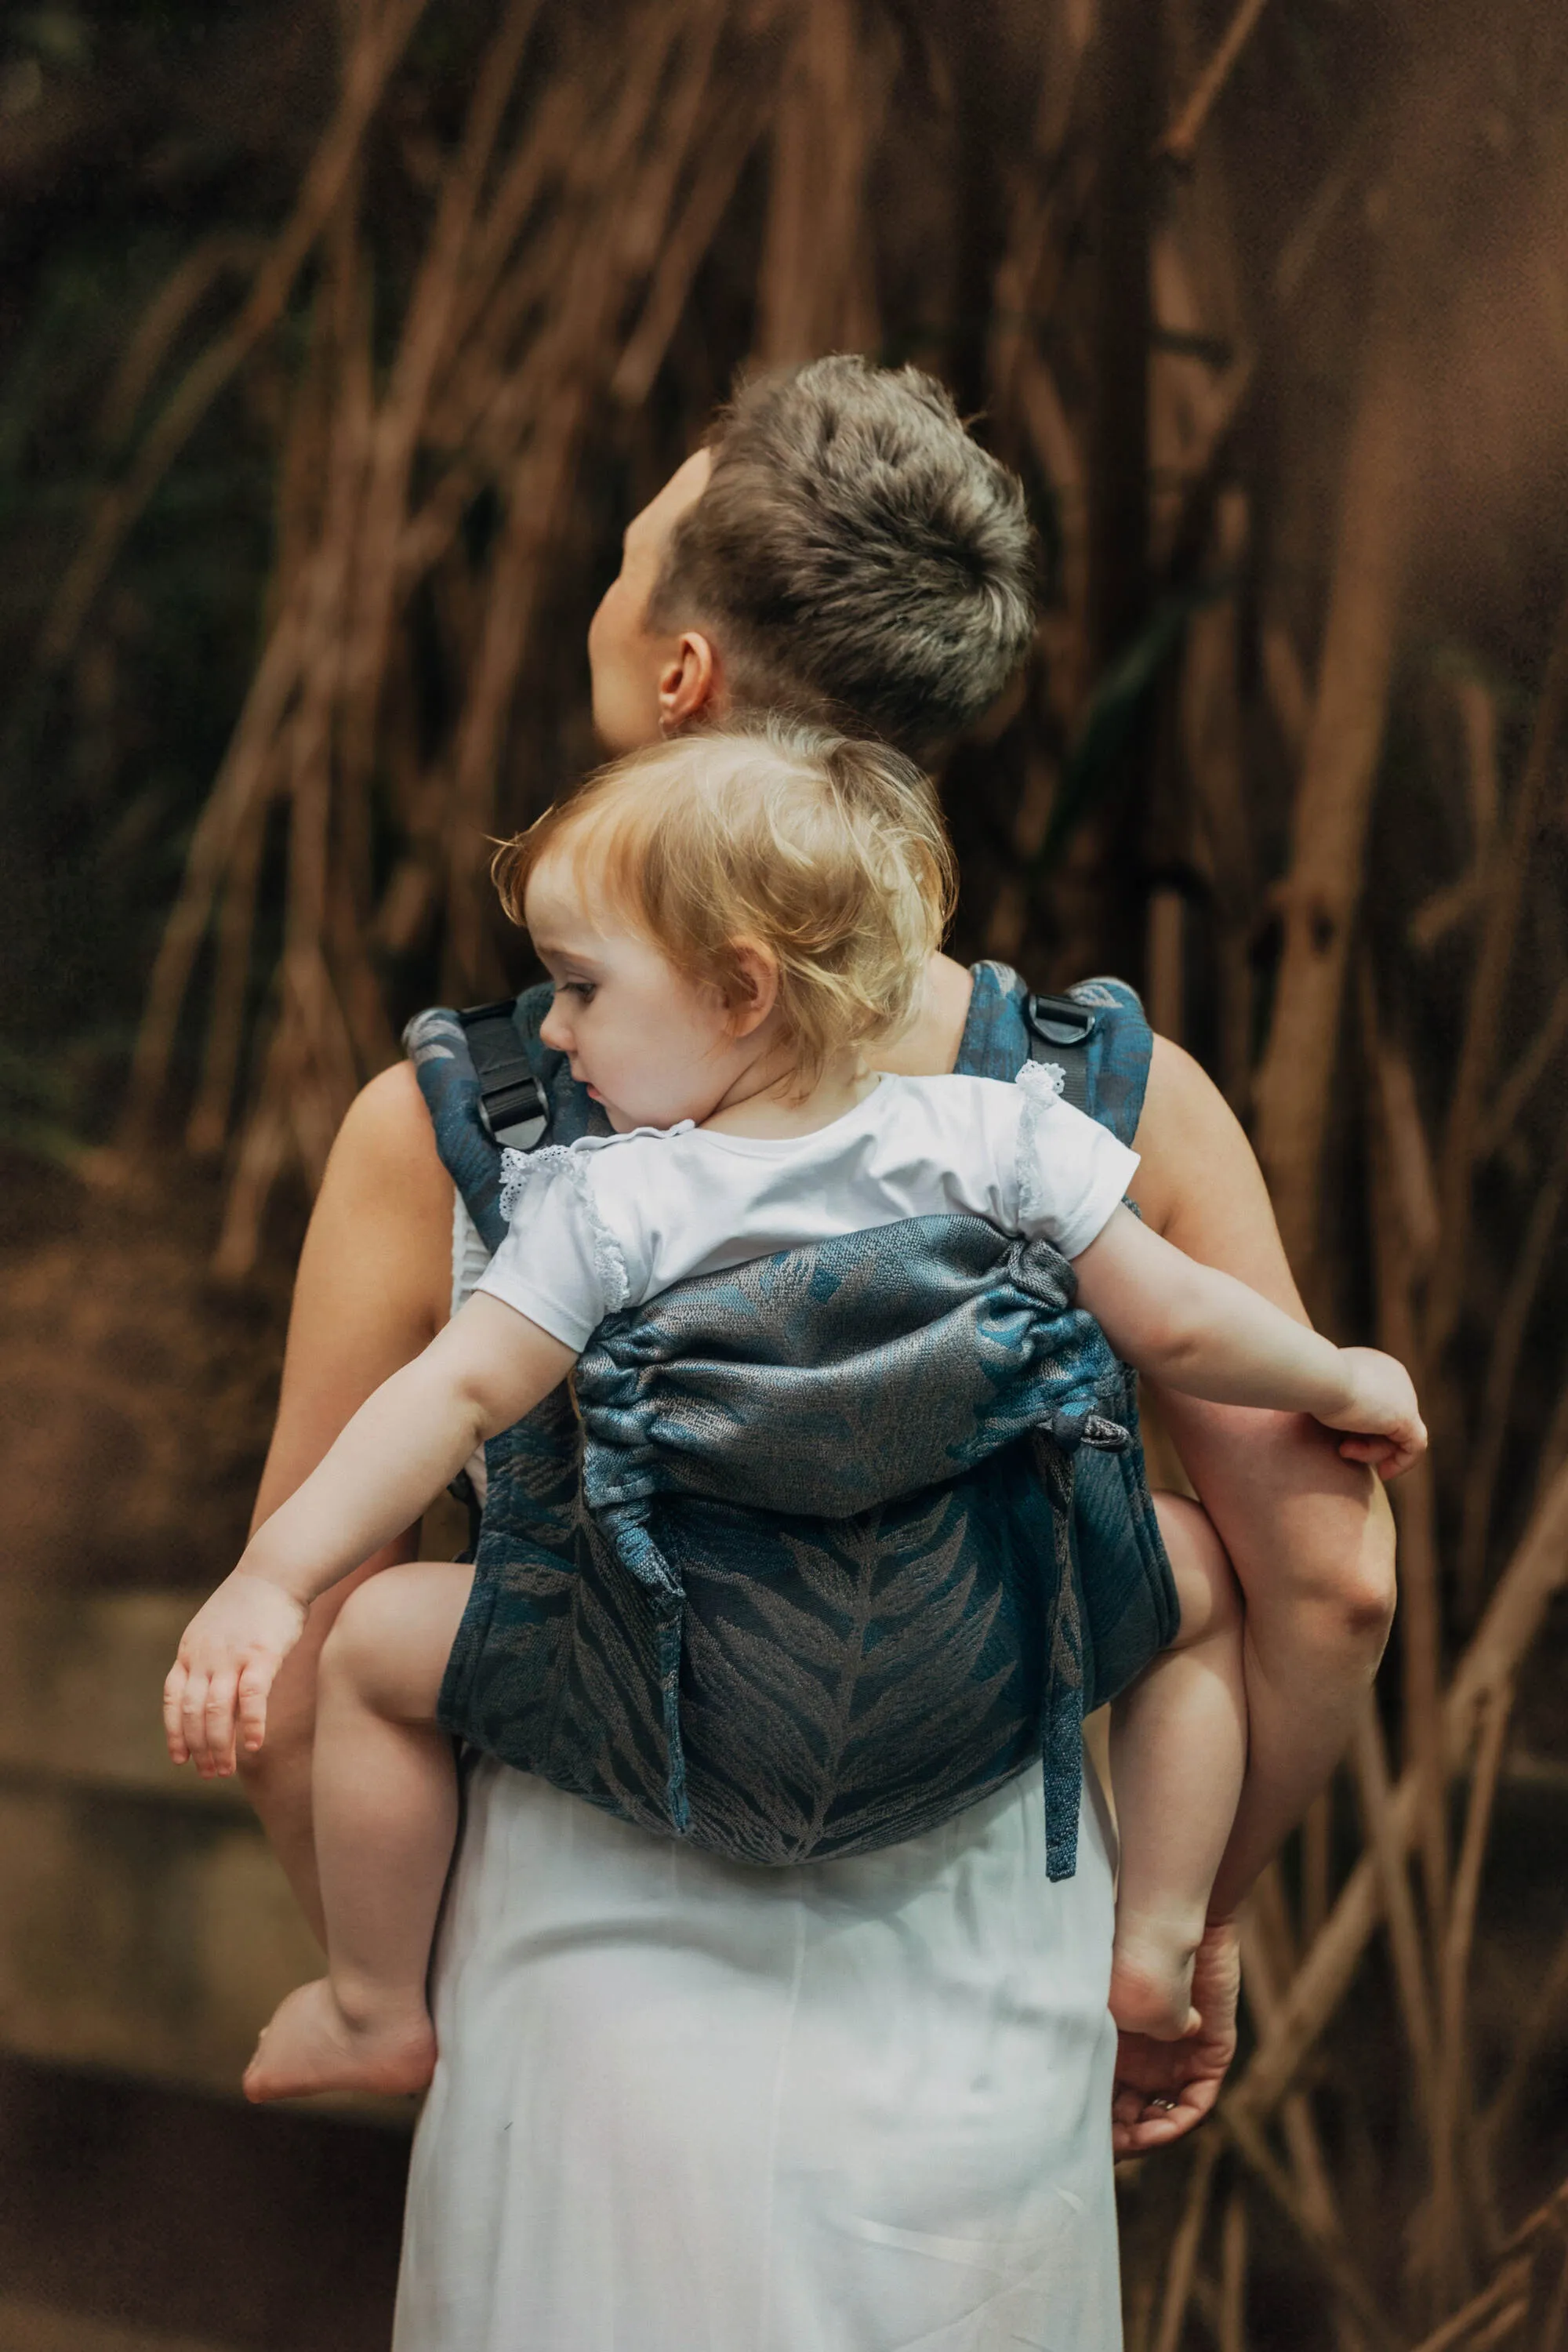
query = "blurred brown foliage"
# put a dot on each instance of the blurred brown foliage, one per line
(1269, 305)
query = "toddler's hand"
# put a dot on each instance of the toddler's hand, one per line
(228, 1655)
(1380, 1408)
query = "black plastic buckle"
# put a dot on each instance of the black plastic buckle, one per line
(1059, 1024)
(514, 1109)
(1060, 1020)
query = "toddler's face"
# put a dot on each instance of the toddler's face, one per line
(652, 1045)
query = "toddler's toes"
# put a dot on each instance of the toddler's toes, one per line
(312, 2046)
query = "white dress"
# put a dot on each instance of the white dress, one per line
(686, 2105)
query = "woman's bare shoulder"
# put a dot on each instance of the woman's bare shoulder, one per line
(1199, 1182)
(387, 1130)
(374, 1280)
(385, 1200)
(388, 1114)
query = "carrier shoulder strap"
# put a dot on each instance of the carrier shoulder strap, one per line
(513, 1107)
(1058, 1029)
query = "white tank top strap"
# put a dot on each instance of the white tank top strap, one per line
(469, 1259)
(469, 1255)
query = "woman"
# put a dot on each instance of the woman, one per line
(864, 2104)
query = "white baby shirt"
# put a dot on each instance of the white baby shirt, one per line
(609, 1222)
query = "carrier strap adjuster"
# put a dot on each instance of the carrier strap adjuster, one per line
(1060, 1020)
(514, 1109)
(1062, 1025)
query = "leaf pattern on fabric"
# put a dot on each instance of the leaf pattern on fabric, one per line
(808, 1697)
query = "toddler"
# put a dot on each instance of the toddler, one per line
(732, 923)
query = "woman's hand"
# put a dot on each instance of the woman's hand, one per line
(228, 1655)
(1165, 2089)
(1380, 1408)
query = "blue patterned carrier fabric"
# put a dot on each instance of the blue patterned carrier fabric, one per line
(831, 1547)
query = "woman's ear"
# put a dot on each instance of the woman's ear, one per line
(757, 974)
(690, 683)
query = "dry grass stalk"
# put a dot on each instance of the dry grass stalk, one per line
(1524, 1077)
(1401, 1221)
(723, 160)
(1494, 961)
(1181, 140)
(1181, 2270)
(815, 291)
(1544, 2013)
(1399, 1908)
(372, 60)
(401, 413)
(1513, 1313)
(1063, 632)
(236, 794)
(480, 371)
(1452, 2117)
(1342, 2275)
(1537, 1570)
(1215, 759)
(187, 286)
(1313, 2183)
(1335, 796)
(1491, 2317)
(1231, 2329)
(1047, 214)
(207, 1129)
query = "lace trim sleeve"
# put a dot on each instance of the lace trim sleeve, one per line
(1040, 1084)
(520, 1175)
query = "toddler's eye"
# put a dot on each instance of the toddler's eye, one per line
(579, 988)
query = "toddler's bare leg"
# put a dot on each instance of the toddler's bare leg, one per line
(387, 1812)
(1178, 1751)
(278, 1781)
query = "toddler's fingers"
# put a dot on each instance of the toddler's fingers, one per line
(173, 1694)
(1402, 1457)
(1373, 1449)
(193, 1718)
(1390, 1454)
(219, 1720)
(254, 1685)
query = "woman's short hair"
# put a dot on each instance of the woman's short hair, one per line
(825, 853)
(859, 558)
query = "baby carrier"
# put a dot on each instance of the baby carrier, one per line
(836, 1542)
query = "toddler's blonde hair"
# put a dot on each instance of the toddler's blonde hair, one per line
(827, 855)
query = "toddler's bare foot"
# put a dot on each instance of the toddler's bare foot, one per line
(311, 2045)
(1151, 1987)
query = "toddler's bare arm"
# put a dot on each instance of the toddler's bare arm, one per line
(1201, 1331)
(488, 1368)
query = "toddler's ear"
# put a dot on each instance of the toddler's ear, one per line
(756, 987)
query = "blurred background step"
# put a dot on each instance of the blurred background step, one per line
(144, 1925)
(38, 2327)
(82, 1678)
(139, 1933)
(137, 2217)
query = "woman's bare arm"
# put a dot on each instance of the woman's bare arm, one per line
(374, 1287)
(1309, 1533)
(1311, 1537)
